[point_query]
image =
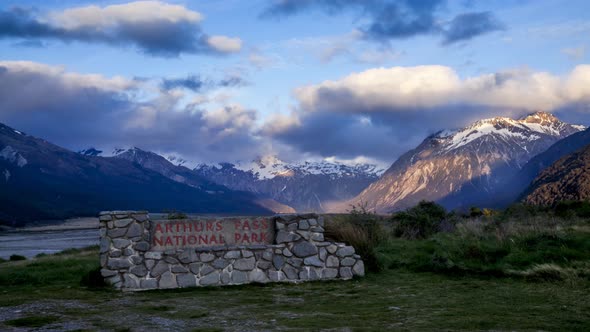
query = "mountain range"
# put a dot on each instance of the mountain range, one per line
(42, 181)
(467, 167)
(490, 163)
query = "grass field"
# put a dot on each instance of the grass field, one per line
(46, 293)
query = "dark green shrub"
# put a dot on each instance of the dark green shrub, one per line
(17, 258)
(420, 221)
(569, 209)
(362, 230)
(93, 279)
(176, 215)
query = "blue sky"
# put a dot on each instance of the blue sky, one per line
(269, 81)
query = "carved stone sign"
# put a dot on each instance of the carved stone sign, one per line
(211, 232)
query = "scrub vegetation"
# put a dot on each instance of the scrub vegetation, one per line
(519, 269)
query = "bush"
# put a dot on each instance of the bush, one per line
(362, 230)
(569, 209)
(420, 221)
(93, 279)
(17, 258)
(176, 215)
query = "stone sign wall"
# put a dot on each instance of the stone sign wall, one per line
(137, 253)
(210, 232)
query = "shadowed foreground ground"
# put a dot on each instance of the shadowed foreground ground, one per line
(46, 294)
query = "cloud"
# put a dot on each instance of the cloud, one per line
(400, 19)
(191, 82)
(155, 28)
(195, 83)
(82, 110)
(383, 112)
(469, 25)
(575, 53)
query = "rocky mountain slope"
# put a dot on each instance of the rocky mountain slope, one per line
(567, 179)
(40, 180)
(469, 166)
(522, 180)
(307, 186)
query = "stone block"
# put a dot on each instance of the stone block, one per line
(148, 283)
(107, 273)
(206, 257)
(159, 269)
(130, 281)
(105, 245)
(140, 217)
(319, 237)
(153, 255)
(105, 218)
(149, 263)
(121, 243)
(345, 273)
(304, 249)
(195, 268)
(128, 252)
(332, 248)
(178, 269)
(304, 234)
(264, 265)
(314, 274)
(115, 253)
(142, 246)
(359, 269)
(118, 263)
(276, 276)
(134, 230)
(247, 253)
(278, 262)
(329, 273)
(188, 256)
(287, 252)
(345, 251)
(123, 222)
(171, 260)
(313, 261)
(239, 277)
(139, 270)
(116, 232)
(136, 259)
(168, 280)
(267, 255)
(186, 280)
(321, 221)
(286, 236)
(348, 261)
(210, 279)
(303, 224)
(225, 278)
(233, 254)
(323, 254)
(257, 276)
(294, 261)
(206, 269)
(245, 264)
(292, 227)
(290, 272)
(220, 263)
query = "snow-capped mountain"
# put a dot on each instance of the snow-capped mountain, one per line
(305, 186)
(465, 167)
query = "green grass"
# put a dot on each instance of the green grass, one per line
(32, 321)
(399, 299)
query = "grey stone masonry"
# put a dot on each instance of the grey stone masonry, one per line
(130, 261)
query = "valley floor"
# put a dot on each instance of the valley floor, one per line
(45, 293)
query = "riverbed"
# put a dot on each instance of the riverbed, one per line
(49, 239)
